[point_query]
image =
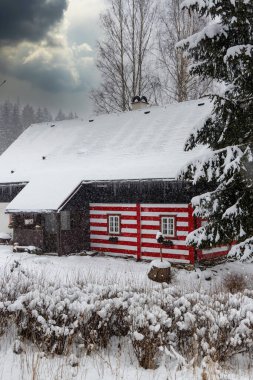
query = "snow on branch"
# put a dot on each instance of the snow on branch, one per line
(201, 237)
(233, 210)
(189, 145)
(207, 5)
(215, 165)
(242, 251)
(214, 29)
(198, 203)
(238, 50)
(199, 4)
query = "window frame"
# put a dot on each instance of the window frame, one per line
(108, 224)
(174, 218)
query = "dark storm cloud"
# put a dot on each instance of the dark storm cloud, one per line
(49, 79)
(28, 19)
(53, 70)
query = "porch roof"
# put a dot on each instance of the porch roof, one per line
(56, 157)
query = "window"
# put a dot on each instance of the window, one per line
(114, 224)
(65, 220)
(28, 222)
(50, 223)
(168, 226)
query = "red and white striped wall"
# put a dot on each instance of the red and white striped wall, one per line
(99, 237)
(150, 224)
(139, 226)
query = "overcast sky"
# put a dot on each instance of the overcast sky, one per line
(47, 51)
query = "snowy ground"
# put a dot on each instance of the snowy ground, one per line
(118, 360)
(116, 270)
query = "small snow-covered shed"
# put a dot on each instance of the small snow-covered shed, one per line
(106, 184)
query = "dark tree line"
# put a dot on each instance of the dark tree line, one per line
(14, 119)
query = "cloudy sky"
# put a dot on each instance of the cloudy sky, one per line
(47, 51)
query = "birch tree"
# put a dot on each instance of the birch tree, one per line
(174, 25)
(124, 55)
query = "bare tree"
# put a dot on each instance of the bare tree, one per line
(124, 55)
(176, 24)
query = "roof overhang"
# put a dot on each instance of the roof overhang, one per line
(22, 200)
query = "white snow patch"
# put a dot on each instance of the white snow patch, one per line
(138, 336)
(160, 264)
(5, 236)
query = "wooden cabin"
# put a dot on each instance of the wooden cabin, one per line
(106, 184)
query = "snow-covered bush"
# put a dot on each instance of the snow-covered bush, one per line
(44, 316)
(13, 283)
(58, 318)
(108, 319)
(148, 324)
(212, 326)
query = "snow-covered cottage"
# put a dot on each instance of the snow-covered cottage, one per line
(105, 184)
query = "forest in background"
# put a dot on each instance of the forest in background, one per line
(14, 119)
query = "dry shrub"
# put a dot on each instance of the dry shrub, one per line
(235, 283)
(146, 347)
(97, 331)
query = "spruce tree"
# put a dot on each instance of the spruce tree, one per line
(39, 116)
(28, 116)
(223, 51)
(46, 115)
(60, 116)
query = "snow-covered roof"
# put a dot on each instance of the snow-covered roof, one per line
(56, 157)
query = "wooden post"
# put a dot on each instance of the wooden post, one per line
(161, 254)
(58, 234)
(138, 217)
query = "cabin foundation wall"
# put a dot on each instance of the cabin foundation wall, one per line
(213, 253)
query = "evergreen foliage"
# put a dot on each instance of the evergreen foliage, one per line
(60, 116)
(223, 51)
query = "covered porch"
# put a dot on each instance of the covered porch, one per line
(61, 232)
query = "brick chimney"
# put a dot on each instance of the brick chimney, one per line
(139, 103)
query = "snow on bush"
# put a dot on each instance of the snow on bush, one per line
(59, 318)
(13, 283)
